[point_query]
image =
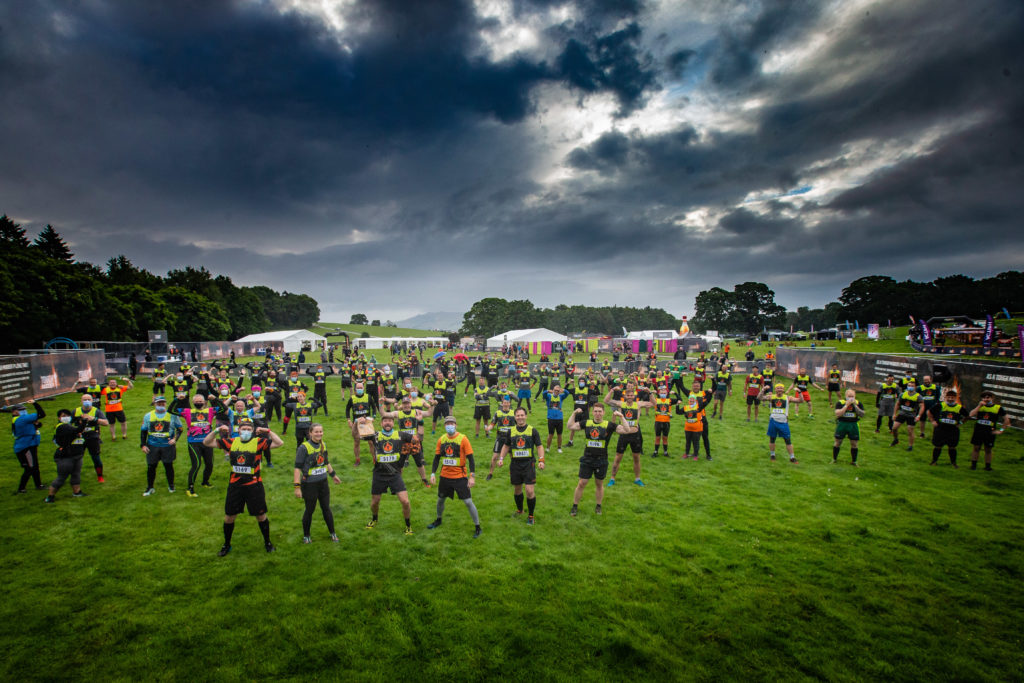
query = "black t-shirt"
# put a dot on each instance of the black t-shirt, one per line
(597, 435)
(849, 415)
(390, 451)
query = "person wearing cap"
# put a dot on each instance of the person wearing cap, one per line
(159, 434)
(409, 420)
(68, 456)
(312, 468)
(390, 451)
(454, 453)
(992, 419)
(778, 419)
(848, 413)
(946, 418)
(25, 426)
(319, 375)
(245, 486)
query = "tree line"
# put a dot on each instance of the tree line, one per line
(493, 315)
(751, 307)
(52, 295)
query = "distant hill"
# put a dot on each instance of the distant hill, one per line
(435, 320)
(325, 328)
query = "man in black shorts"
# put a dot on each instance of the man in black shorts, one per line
(409, 420)
(482, 395)
(580, 401)
(527, 452)
(630, 407)
(909, 411)
(390, 451)
(597, 432)
(503, 420)
(245, 487)
(454, 453)
(992, 419)
(835, 379)
(946, 418)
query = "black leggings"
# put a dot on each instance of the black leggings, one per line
(151, 474)
(29, 459)
(273, 405)
(313, 493)
(320, 396)
(693, 439)
(68, 469)
(198, 453)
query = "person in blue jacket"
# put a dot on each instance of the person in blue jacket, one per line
(25, 426)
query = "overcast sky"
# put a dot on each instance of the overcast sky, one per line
(394, 157)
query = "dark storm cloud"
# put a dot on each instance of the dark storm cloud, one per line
(232, 135)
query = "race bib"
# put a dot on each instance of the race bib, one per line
(520, 453)
(393, 458)
(313, 471)
(241, 469)
(78, 442)
(451, 462)
(595, 444)
(985, 423)
(292, 394)
(305, 418)
(948, 421)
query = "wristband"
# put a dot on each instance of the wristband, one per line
(297, 485)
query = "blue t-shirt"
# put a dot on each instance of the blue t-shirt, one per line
(554, 402)
(25, 433)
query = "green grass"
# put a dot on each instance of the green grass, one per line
(724, 570)
(373, 330)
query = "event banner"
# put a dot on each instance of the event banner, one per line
(872, 330)
(866, 371)
(26, 378)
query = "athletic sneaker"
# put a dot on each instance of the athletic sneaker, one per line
(894, 442)
(477, 532)
(910, 448)
(654, 454)
(436, 523)
(638, 482)
(529, 520)
(80, 494)
(695, 457)
(559, 450)
(974, 464)
(170, 489)
(21, 491)
(489, 477)
(100, 479)
(988, 468)
(49, 499)
(569, 444)
(834, 461)
(573, 511)
(810, 417)
(517, 513)
(597, 509)
(307, 539)
(771, 457)
(707, 457)
(269, 547)
(270, 465)
(611, 482)
(371, 524)
(793, 461)
(207, 485)
(408, 531)
(191, 494)
(224, 550)
(854, 463)
(149, 492)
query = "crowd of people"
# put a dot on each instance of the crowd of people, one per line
(233, 407)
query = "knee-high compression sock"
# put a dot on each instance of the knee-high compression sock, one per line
(471, 506)
(519, 501)
(530, 504)
(229, 528)
(835, 452)
(265, 530)
(440, 507)
(150, 476)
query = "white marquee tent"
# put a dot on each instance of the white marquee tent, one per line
(292, 339)
(537, 334)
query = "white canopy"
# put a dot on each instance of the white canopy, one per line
(653, 334)
(292, 339)
(536, 334)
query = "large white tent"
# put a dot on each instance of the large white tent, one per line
(379, 342)
(536, 334)
(292, 339)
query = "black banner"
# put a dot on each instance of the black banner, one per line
(26, 378)
(866, 371)
(998, 352)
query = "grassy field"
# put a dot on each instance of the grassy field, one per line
(723, 570)
(372, 330)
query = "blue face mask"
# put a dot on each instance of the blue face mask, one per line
(359, 392)
(387, 432)
(450, 429)
(87, 404)
(160, 410)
